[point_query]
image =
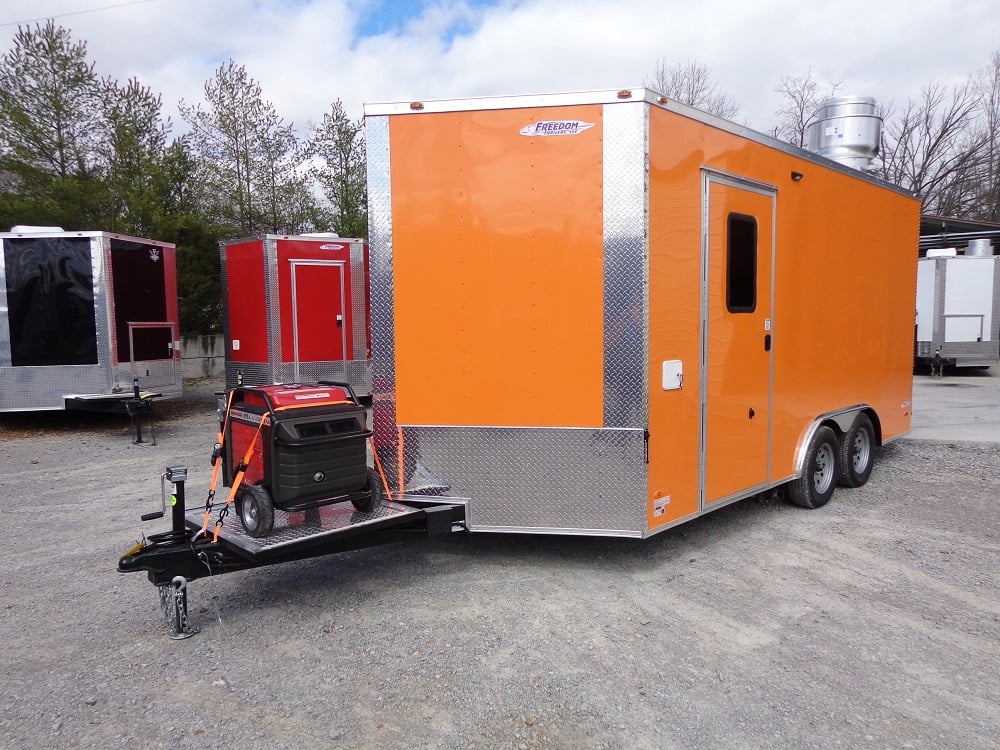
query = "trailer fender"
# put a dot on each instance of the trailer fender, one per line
(840, 421)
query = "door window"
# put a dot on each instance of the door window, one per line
(741, 264)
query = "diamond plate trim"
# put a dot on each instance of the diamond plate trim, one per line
(100, 253)
(292, 528)
(574, 480)
(359, 310)
(272, 307)
(626, 329)
(383, 370)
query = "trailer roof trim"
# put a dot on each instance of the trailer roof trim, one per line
(29, 228)
(314, 236)
(617, 96)
(51, 232)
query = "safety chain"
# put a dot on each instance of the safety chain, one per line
(210, 500)
(222, 518)
(173, 602)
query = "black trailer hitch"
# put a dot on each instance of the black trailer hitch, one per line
(169, 548)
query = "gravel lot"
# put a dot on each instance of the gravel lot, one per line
(873, 622)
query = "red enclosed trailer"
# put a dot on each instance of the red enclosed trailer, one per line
(295, 308)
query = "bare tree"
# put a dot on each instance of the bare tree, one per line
(933, 149)
(987, 206)
(802, 97)
(691, 83)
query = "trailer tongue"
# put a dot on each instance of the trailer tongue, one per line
(301, 489)
(174, 558)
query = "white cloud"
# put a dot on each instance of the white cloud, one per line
(305, 53)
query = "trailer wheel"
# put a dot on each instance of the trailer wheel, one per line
(857, 453)
(366, 504)
(819, 475)
(256, 511)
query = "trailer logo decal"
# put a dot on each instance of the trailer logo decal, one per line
(154, 254)
(556, 127)
(332, 246)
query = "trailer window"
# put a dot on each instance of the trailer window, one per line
(741, 264)
(50, 301)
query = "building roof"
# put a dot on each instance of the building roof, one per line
(945, 231)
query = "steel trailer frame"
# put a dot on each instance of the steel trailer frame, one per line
(174, 558)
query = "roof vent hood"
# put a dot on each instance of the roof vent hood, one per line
(847, 130)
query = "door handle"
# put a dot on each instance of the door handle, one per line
(767, 342)
(751, 414)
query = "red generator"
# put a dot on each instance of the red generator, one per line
(295, 309)
(299, 446)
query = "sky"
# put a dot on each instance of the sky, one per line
(308, 53)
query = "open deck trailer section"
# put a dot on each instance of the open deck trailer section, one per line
(85, 318)
(605, 314)
(295, 309)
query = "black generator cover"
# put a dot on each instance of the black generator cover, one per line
(311, 445)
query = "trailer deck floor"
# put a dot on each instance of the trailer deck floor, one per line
(307, 527)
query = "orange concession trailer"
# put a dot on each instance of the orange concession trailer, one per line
(608, 313)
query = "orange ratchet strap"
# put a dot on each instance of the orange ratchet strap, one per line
(216, 465)
(381, 473)
(238, 479)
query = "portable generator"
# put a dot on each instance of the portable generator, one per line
(298, 446)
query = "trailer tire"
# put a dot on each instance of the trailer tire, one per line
(857, 452)
(366, 504)
(819, 474)
(256, 511)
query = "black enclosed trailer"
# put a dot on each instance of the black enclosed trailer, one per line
(85, 318)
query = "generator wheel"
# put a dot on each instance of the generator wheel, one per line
(366, 504)
(256, 511)
(857, 452)
(819, 475)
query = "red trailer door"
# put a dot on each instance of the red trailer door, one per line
(737, 302)
(319, 331)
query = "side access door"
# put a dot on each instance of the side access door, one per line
(319, 328)
(738, 259)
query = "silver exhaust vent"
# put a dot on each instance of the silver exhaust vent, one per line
(847, 130)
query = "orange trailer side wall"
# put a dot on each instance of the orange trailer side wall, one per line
(844, 289)
(497, 264)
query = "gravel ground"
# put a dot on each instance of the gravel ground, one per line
(873, 622)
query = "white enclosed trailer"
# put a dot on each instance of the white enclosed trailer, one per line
(958, 304)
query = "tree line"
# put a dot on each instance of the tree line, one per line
(944, 147)
(85, 152)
